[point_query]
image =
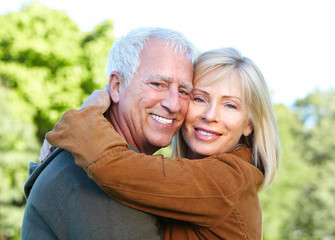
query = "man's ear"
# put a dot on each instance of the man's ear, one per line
(115, 81)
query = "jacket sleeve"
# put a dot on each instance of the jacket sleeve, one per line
(198, 191)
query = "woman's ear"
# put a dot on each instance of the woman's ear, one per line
(115, 81)
(247, 130)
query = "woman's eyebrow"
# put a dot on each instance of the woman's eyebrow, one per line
(197, 90)
(229, 96)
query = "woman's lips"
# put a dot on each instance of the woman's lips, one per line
(206, 134)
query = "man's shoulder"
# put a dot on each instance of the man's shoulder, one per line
(57, 173)
(62, 168)
(67, 200)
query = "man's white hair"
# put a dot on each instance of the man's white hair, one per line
(124, 56)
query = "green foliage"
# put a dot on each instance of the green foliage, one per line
(50, 62)
(314, 214)
(300, 203)
(47, 65)
(18, 146)
(317, 112)
(279, 199)
(165, 151)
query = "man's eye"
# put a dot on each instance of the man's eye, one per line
(184, 92)
(156, 84)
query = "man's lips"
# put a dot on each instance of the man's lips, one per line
(161, 119)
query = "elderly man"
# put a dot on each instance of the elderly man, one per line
(150, 78)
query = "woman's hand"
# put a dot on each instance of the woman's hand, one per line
(100, 98)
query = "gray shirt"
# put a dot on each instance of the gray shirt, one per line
(63, 203)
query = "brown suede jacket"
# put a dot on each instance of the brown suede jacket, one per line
(211, 198)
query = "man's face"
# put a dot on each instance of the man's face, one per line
(154, 105)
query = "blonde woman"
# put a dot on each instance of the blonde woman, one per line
(226, 152)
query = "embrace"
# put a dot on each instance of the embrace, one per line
(102, 181)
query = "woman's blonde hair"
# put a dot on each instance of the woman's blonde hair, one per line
(264, 140)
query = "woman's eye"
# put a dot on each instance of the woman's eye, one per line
(231, 106)
(198, 100)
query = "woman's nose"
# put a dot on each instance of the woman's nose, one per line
(212, 113)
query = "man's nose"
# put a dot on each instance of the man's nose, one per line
(171, 100)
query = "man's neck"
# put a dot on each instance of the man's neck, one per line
(120, 128)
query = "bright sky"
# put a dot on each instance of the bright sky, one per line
(292, 41)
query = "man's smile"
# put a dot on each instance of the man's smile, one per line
(161, 119)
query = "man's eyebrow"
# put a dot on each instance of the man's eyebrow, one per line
(158, 76)
(187, 85)
(167, 79)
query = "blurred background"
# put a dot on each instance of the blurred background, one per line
(53, 55)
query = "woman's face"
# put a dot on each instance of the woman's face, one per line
(216, 118)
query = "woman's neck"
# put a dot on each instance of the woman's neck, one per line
(193, 155)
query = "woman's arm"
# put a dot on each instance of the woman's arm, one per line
(197, 191)
(99, 98)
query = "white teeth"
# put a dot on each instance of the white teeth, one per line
(161, 120)
(206, 133)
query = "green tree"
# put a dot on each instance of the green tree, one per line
(279, 200)
(18, 146)
(47, 65)
(313, 217)
(317, 112)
